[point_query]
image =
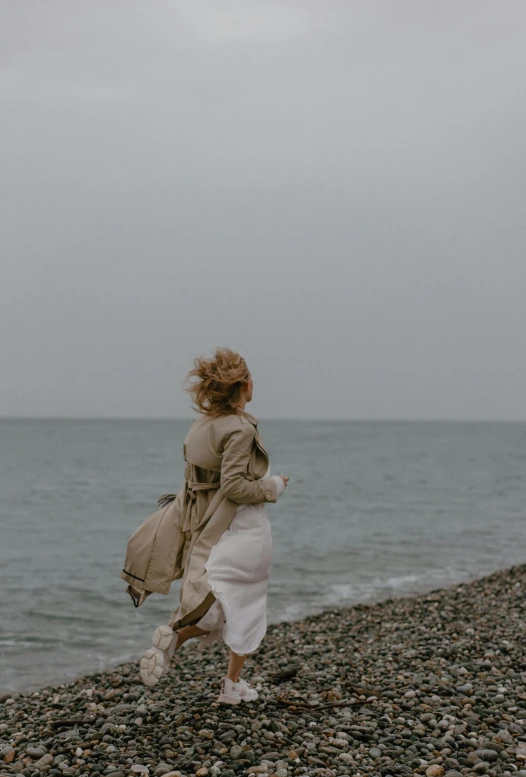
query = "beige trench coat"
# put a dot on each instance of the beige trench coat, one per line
(225, 463)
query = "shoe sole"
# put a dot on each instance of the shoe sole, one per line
(224, 699)
(162, 637)
(153, 666)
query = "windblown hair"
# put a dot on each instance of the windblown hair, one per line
(215, 384)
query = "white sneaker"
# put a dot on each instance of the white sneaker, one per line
(165, 638)
(235, 693)
(155, 662)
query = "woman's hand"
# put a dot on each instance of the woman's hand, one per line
(285, 479)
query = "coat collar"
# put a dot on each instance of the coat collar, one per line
(249, 416)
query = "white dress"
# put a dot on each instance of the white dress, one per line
(238, 570)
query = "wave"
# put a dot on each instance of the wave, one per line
(348, 594)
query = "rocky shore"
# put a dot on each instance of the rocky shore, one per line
(432, 685)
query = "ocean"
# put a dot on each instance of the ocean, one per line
(374, 509)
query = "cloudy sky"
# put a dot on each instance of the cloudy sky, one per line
(336, 190)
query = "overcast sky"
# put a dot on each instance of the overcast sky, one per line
(334, 189)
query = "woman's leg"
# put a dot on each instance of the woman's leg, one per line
(235, 665)
(188, 632)
(234, 691)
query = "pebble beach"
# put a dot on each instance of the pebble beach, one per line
(433, 684)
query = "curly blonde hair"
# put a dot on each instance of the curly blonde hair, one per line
(215, 384)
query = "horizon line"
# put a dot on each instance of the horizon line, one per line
(302, 419)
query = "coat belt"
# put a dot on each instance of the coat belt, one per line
(191, 489)
(193, 486)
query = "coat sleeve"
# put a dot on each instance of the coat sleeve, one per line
(237, 449)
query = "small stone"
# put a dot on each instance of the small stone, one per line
(202, 772)
(46, 760)
(10, 757)
(374, 752)
(434, 771)
(486, 755)
(139, 769)
(122, 707)
(35, 752)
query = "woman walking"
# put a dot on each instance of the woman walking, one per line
(226, 545)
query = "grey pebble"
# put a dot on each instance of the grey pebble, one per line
(44, 761)
(487, 755)
(35, 752)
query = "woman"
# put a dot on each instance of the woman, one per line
(227, 543)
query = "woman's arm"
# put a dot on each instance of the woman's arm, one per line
(237, 449)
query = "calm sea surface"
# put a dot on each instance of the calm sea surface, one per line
(374, 509)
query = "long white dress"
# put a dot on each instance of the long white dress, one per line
(238, 571)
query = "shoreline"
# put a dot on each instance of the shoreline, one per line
(431, 683)
(112, 664)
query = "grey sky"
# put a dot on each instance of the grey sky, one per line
(334, 189)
